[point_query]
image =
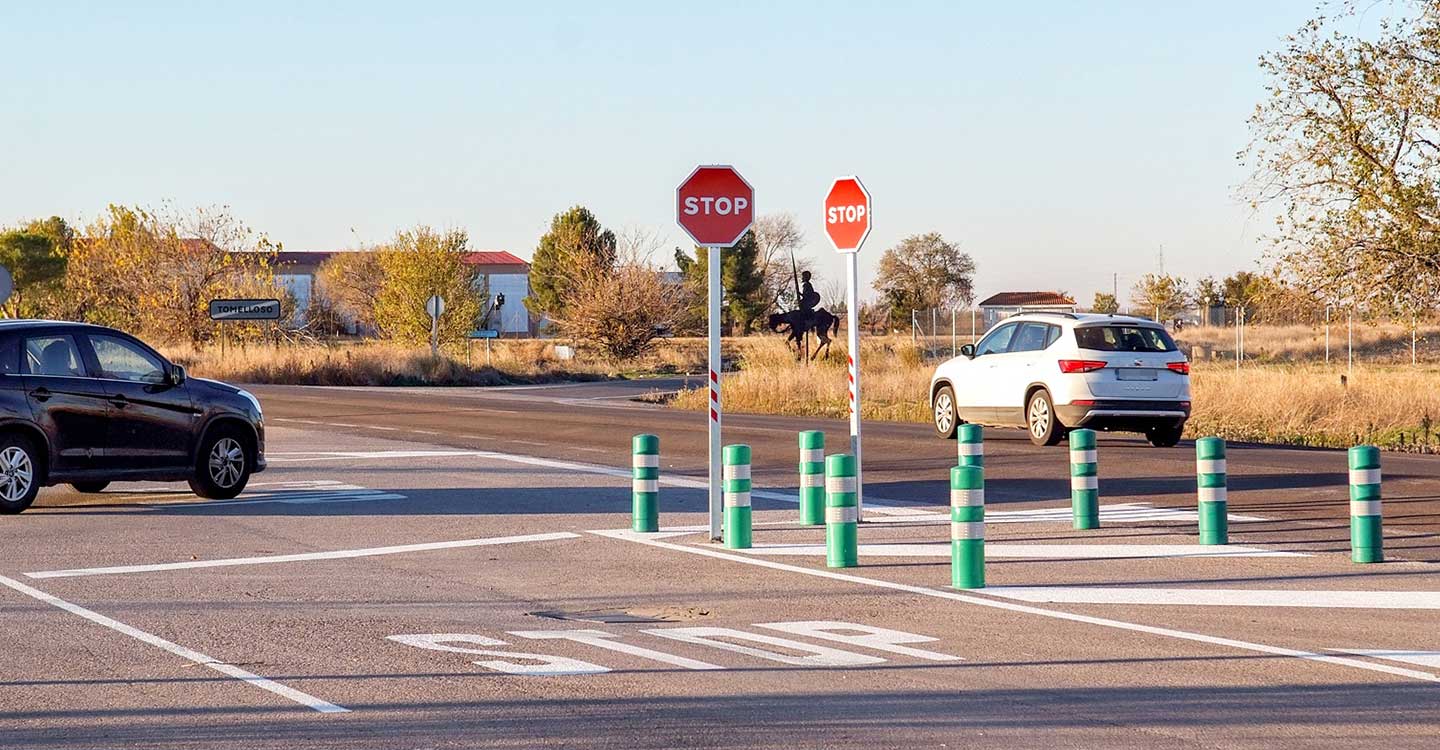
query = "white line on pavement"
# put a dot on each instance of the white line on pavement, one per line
(285, 691)
(1035, 551)
(330, 555)
(1220, 597)
(630, 536)
(1423, 658)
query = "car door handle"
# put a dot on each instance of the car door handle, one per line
(119, 402)
(40, 394)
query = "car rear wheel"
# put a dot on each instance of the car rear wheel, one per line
(19, 480)
(946, 420)
(1040, 419)
(90, 487)
(1167, 436)
(222, 466)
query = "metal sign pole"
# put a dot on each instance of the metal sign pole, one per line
(852, 342)
(712, 258)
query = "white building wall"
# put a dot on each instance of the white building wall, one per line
(513, 317)
(299, 286)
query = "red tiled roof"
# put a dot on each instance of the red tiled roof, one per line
(495, 258)
(1011, 299)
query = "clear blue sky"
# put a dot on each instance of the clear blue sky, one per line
(1058, 142)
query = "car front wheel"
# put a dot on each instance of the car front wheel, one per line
(1040, 419)
(945, 416)
(222, 466)
(19, 482)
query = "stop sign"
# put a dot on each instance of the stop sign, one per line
(715, 206)
(847, 214)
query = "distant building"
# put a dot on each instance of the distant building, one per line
(503, 272)
(998, 307)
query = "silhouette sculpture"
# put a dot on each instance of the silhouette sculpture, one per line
(806, 319)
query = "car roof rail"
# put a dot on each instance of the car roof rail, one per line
(1071, 316)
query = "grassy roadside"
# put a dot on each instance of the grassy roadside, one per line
(1395, 407)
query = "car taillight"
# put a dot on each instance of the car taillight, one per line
(1081, 365)
(1181, 367)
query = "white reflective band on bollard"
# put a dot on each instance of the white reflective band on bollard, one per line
(812, 480)
(966, 498)
(847, 514)
(737, 499)
(1085, 483)
(971, 449)
(1364, 507)
(1212, 494)
(1210, 466)
(812, 455)
(840, 484)
(1364, 476)
(1083, 457)
(645, 485)
(645, 461)
(737, 471)
(962, 530)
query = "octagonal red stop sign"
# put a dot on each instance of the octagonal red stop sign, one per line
(847, 214)
(715, 205)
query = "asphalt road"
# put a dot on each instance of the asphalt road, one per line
(450, 568)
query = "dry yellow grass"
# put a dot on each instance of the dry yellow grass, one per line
(1377, 343)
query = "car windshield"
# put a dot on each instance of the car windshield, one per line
(1116, 338)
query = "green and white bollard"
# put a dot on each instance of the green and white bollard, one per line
(1366, 532)
(812, 478)
(842, 512)
(737, 496)
(1211, 490)
(967, 527)
(1084, 480)
(971, 439)
(645, 483)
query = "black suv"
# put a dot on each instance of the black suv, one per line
(90, 405)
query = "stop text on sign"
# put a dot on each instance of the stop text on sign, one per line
(722, 206)
(847, 214)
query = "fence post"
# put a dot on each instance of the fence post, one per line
(967, 527)
(1211, 481)
(842, 514)
(971, 442)
(812, 478)
(737, 496)
(645, 483)
(953, 350)
(1366, 532)
(1084, 480)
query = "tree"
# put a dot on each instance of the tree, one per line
(350, 282)
(778, 237)
(1347, 145)
(574, 243)
(622, 309)
(925, 272)
(740, 277)
(1105, 303)
(1163, 295)
(35, 255)
(417, 264)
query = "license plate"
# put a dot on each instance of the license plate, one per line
(1135, 373)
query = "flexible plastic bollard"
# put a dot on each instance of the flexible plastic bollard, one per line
(967, 527)
(842, 512)
(1084, 480)
(971, 441)
(645, 483)
(737, 496)
(1366, 531)
(1210, 480)
(812, 478)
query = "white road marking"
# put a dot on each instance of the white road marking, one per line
(633, 537)
(869, 636)
(424, 432)
(308, 456)
(1422, 658)
(285, 691)
(306, 556)
(549, 666)
(1113, 513)
(1220, 597)
(602, 639)
(815, 656)
(1034, 551)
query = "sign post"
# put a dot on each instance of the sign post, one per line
(435, 306)
(847, 224)
(715, 206)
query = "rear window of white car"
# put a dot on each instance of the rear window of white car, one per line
(1124, 339)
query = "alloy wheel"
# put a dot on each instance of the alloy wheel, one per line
(944, 413)
(227, 461)
(1039, 417)
(17, 473)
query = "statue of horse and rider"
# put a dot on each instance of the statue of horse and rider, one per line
(807, 318)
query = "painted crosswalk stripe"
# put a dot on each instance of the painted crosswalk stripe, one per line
(1035, 551)
(1221, 597)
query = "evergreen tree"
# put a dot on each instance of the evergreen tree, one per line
(575, 241)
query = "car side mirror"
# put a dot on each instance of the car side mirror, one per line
(177, 375)
(968, 350)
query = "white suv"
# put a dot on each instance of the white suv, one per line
(1050, 372)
